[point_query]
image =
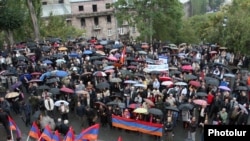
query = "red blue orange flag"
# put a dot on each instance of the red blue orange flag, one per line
(14, 127)
(70, 136)
(90, 133)
(56, 136)
(122, 58)
(47, 134)
(35, 131)
(119, 139)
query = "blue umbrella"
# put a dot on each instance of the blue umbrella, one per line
(103, 42)
(47, 74)
(61, 73)
(47, 62)
(16, 85)
(87, 52)
(28, 76)
(117, 46)
(73, 55)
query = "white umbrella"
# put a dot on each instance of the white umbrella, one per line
(140, 85)
(167, 83)
(142, 52)
(58, 103)
(60, 61)
(229, 75)
(130, 82)
(108, 67)
(115, 80)
(181, 83)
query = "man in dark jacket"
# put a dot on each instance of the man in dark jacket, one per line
(26, 107)
(4, 120)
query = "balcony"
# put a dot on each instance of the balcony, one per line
(94, 14)
(96, 28)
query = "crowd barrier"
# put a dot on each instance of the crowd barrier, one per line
(136, 125)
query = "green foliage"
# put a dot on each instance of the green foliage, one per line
(12, 13)
(159, 19)
(198, 7)
(56, 26)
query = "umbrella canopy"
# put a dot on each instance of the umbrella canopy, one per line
(172, 108)
(35, 80)
(167, 83)
(155, 111)
(36, 73)
(112, 58)
(141, 111)
(43, 87)
(102, 85)
(115, 80)
(165, 78)
(87, 52)
(186, 106)
(200, 102)
(195, 83)
(243, 108)
(181, 83)
(149, 102)
(52, 80)
(16, 85)
(47, 62)
(187, 67)
(67, 90)
(11, 95)
(99, 73)
(59, 102)
(224, 88)
(241, 88)
(100, 103)
(61, 73)
(108, 67)
(134, 106)
(229, 75)
(62, 48)
(54, 90)
(190, 77)
(140, 85)
(46, 120)
(112, 103)
(201, 94)
(130, 82)
(73, 55)
(82, 92)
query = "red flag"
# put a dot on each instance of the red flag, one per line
(119, 139)
(122, 58)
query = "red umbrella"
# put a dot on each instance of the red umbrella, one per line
(200, 102)
(213, 52)
(132, 67)
(36, 73)
(98, 46)
(195, 83)
(112, 58)
(134, 106)
(67, 90)
(148, 101)
(165, 78)
(109, 71)
(187, 67)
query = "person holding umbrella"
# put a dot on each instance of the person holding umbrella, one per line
(168, 126)
(64, 110)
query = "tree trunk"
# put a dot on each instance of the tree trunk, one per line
(34, 19)
(9, 35)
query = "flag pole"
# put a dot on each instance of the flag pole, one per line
(39, 138)
(28, 138)
(12, 137)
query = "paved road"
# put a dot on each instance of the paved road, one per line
(105, 134)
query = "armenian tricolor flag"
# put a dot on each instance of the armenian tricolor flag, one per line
(47, 134)
(35, 131)
(90, 133)
(14, 127)
(70, 136)
(56, 136)
(123, 55)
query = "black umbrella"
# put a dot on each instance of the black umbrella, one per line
(96, 57)
(52, 80)
(102, 85)
(186, 106)
(43, 87)
(98, 63)
(155, 111)
(54, 90)
(212, 81)
(112, 103)
(174, 72)
(57, 55)
(21, 58)
(241, 88)
(201, 94)
(190, 77)
(172, 108)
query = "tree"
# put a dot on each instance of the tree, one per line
(11, 17)
(158, 19)
(56, 26)
(33, 16)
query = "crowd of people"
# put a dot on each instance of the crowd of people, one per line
(204, 84)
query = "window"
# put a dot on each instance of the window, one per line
(109, 32)
(108, 5)
(80, 8)
(109, 19)
(120, 30)
(60, 1)
(96, 21)
(83, 23)
(69, 23)
(94, 7)
(44, 3)
(133, 29)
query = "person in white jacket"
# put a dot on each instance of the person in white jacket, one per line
(49, 106)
